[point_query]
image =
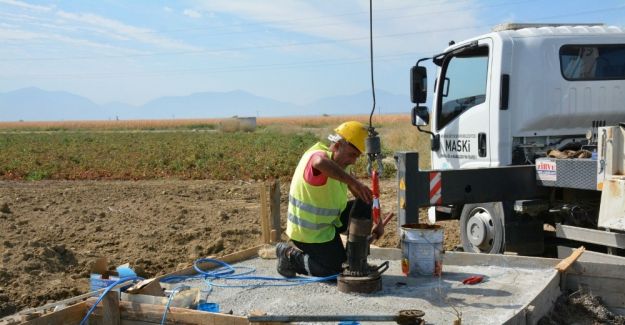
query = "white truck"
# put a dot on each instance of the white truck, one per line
(503, 103)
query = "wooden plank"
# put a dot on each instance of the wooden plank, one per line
(590, 256)
(154, 313)
(96, 320)
(600, 237)
(566, 263)
(264, 213)
(69, 316)
(110, 307)
(241, 255)
(274, 211)
(258, 312)
(135, 322)
(230, 258)
(64, 302)
(241, 321)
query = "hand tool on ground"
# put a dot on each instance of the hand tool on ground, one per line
(473, 279)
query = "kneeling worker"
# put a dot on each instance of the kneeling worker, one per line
(318, 206)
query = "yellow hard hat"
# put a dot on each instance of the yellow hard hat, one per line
(353, 132)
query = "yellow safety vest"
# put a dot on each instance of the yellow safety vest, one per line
(314, 211)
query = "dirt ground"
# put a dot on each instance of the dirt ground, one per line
(52, 231)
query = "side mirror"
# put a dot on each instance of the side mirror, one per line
(418, 84)
(420, 116)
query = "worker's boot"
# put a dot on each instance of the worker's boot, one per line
(286, 265)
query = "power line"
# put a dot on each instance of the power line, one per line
(304, 64)
(242, 48)
(242, 68)
(490, 5)
(258, 47)
(319, 42)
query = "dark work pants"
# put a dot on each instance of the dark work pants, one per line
(325, 259)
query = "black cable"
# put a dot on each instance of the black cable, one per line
(371, 60)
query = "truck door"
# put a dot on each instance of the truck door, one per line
(462, 116)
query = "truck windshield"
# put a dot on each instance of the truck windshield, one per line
(464, 84)
(593, 62)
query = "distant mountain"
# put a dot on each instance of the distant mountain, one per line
(34, 104)
(216, 104)
(360, 103)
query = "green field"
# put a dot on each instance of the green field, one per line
(269, 152)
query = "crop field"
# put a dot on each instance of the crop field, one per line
(195, 124)
(189, 149)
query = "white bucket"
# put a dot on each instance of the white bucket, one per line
(422, 249)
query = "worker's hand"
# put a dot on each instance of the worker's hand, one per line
(360, 191)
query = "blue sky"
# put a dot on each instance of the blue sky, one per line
(289, 50)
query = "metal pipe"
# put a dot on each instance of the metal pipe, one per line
(321, 318)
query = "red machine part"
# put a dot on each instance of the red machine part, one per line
(375, 188)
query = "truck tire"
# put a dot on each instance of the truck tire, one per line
(482, 228)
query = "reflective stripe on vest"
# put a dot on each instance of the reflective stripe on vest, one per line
(312, 209)
(307, 224)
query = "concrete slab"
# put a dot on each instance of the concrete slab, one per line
(511, 286)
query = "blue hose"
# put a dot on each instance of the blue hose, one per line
(225, 272)
(291, 281)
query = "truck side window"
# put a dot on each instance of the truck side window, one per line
(593, 62)
(464, 84)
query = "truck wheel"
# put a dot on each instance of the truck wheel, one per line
(481, 228)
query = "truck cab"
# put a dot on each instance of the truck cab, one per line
(508, 97)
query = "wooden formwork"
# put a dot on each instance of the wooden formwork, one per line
(113, 311)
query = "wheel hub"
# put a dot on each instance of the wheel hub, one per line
(479, 231)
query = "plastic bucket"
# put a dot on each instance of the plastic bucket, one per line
(422, 249)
